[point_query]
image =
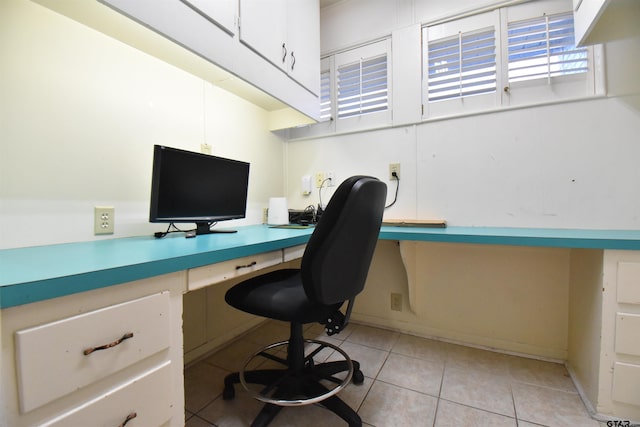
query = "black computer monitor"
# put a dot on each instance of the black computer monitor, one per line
(189, 187)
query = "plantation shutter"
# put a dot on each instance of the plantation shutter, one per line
(325, 96)
(462, 65)
(544, 47)
(362, 87)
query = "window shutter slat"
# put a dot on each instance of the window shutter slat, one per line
(325, 96)
(362, 87)
(543, 48)
(462, 66)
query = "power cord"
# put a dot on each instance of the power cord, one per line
(320, 208)
(395, 199)
(172, 228)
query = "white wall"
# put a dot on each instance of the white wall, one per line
(568, 165)
(79, 114)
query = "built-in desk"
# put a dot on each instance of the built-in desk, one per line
(38, 273)
(91, 277)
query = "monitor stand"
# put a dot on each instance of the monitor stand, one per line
(205, 228)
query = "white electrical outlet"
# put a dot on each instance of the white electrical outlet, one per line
(325, 179)
(103, 220)
(396, 302)
(331, 177)
(394, 167)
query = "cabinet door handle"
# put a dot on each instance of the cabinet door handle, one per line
(106, 346)
(129, 418)
(284, 53)
(251, 264)
(293, 60)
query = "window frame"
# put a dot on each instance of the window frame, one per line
(368, 119)
(446, 30)
(557, 88)
(515, 94)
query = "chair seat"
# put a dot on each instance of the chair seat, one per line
(278, 295)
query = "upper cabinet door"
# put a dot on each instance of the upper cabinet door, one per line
(223, 13)
(287, 34)
(263, 27)
(303, 39)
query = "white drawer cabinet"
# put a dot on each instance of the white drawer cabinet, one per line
(47, 379)
(116, 406)
(294, 252)
(51, 360)
(214, 273)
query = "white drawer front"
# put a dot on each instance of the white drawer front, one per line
(626, 383)
(145, 399)
(628, 333)
(294, 252)
(214, 273)
(50, 359)
(629, 282)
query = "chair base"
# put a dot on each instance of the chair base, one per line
(298, 386)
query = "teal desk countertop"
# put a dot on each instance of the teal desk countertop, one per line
(549, 237)
(38, 273)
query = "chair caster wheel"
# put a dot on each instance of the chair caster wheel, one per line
(358, 377)
(228, 393)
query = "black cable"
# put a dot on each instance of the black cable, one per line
(172, 228)
(395, 199)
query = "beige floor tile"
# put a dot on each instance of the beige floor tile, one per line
(421, 348)
(197, 422)
(416, 374)
(538, 372)
(462, 357)
(451, 414)
(232, 413)
(550, 407)
(479, 389)
(353, 395)
(370, 359)
(403, 376)
(372, 337)
(202, 383)
(307, 416)
(388, 405)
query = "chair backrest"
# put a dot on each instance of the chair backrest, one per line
(336, 261)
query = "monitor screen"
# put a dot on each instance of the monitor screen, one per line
(198, 188)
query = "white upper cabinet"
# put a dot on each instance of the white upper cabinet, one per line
(599, 21)
(287, 34)
(272, 44)
(223, 13)
(303, 38)
(263, 27)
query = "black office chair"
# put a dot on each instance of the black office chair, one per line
(333, 271)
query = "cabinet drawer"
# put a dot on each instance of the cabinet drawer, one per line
(627, 333)
(626, 383)
(214, 273)
(294, 252)
(629, 282)
(51, 360)
(145, 399)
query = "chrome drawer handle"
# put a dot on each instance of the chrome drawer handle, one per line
(129, 418)
(106, 346)
(238, 267)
